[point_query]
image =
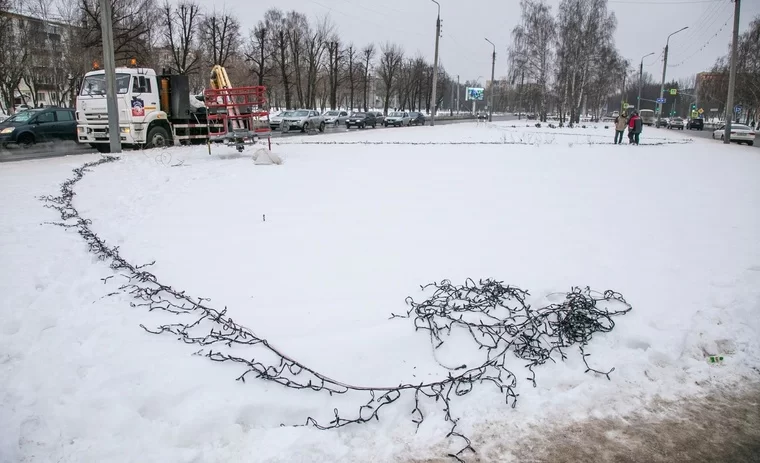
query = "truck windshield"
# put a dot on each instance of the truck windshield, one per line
(96, 84)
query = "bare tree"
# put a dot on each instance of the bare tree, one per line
(133, 21)
(585, 27)
(180, 26)
(369, 54)
(13, 54)
(335, 55)
(316, 44)
(391, 57)
(351, 74)
(259, 52)
(277, 25)
(532, 52)
(220, 35)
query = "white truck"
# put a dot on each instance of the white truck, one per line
(158, 110)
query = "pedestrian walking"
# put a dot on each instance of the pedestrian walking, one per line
(635, 125)
(620, 122)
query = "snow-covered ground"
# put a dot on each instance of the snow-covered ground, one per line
(315, 254)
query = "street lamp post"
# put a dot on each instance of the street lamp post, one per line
(664, 67)
(493, 69)
(641, 76)
(435, 62)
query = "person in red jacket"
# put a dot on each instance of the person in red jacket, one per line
(634, 128)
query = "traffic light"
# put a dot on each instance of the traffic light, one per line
(693, 106)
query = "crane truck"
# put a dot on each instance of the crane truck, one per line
(158, 110)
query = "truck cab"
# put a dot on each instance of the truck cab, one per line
(153, 110)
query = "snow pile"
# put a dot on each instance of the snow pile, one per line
(316, 255)
(265, 157)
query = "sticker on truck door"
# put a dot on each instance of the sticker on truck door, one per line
(138, 107)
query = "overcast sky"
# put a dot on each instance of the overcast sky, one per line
(643, 26)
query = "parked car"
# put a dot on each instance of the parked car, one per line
(379, 117)
(3, 116)
(397, 119)
(697, 124)
(304, 119)
(675, 123)
(416, 118)
(35, 125)
(335, 117)
(361, 120)
(276, 120)
(740, 133)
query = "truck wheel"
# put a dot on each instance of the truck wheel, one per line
(158, 137)
(322, 126)
(103, 148)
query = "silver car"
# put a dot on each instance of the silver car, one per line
(303, 120)
(335, 117)
(397, 119)
(276, 120)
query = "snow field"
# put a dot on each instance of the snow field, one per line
(350, 232)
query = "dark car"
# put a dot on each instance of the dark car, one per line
(361, 120)
(36, 125)
(417, 118)
(697, 124)
(380, 117)
(482, 116)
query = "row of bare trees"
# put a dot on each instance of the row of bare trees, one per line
(569, 60)
(713, 86)
(302, 61)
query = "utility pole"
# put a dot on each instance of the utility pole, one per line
(435, 61)
(106, 24)
(664, 67)
(458, 94)
(622, 93)
(641, 77)
(732, 76)
(490, 97)
(451, 108)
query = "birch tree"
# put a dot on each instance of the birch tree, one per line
(532, 48)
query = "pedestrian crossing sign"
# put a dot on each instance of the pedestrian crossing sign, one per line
(674, 91)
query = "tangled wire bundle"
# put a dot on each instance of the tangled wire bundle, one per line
(497, 317)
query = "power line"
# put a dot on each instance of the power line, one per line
(703, 46)
(692, 44)
(704, 22)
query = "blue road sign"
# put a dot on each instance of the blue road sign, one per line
(738, 108)
(660, 100)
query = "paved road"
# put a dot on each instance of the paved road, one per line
(54, 149)
(707, 133)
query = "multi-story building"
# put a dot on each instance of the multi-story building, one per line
(45, 79)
